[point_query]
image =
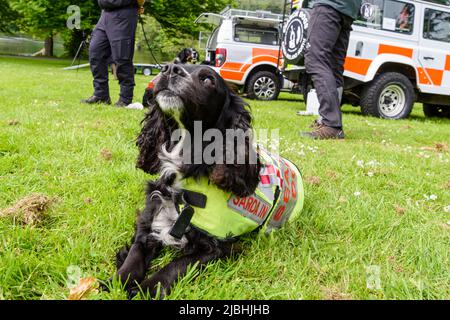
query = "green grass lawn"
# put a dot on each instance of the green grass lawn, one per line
(367, 231)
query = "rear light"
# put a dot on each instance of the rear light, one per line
(151, 85)
(221, 57)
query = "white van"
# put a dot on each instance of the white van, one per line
(399, 53)
(244, 49)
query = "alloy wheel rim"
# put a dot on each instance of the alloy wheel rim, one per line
(264, 88)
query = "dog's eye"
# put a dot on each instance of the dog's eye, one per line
(208, 81)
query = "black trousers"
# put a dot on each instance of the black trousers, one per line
(113, 41)
(329, 35)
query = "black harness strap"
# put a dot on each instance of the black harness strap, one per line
(189, 199)
(195, 199)
(183, 221)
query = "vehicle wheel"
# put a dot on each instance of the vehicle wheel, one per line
(263, 85)
(390, 96)
(147, 71)
(431, 110)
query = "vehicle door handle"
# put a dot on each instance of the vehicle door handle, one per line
(428, 58)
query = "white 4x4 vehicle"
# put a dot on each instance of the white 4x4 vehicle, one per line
(244, 49)
(399, 53)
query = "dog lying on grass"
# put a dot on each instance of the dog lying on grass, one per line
(201, 207)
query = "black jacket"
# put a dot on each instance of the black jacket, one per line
(116, 4)
(348, 7)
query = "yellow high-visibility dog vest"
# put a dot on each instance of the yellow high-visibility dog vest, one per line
(278, 198)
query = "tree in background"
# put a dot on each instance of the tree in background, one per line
(90, 13)
(41, 17)
(7, 18)
(178, 16)
(169, 25)
(174, 28)
(267, 5)
(46, 18)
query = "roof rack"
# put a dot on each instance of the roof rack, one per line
(260, 14)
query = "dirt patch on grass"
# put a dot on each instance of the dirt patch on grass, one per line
(13, 122)
(333, 294)
(395, 265)
(312, 180)
(106, 154)
(88, 200)
(400, 210)
(438, 147)
(332, 175)
(30, 210)
(98, 124)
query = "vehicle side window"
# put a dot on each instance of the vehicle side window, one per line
(256, 35)
(387, 15)
(437, 25)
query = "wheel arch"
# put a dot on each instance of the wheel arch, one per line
(393, 63)
(264, 66)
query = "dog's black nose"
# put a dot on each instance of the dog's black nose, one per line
(173, 70)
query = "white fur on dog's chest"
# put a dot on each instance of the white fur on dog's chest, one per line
(163, 223)
(168, 214)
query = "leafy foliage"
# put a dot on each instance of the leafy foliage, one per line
(178, 16)
(268, 5)
(170, 22)
(7, 17)
(43, 17)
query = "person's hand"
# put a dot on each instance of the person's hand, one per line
(141, 9)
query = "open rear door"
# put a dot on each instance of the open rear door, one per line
(210, 18)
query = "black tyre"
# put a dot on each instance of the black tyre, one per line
(390, 96)
(432, 110)
(263, 85)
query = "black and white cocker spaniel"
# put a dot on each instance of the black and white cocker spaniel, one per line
(187, 55)
(184, 95)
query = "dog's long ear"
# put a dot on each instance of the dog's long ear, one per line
(239, 178)
(155, 132)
